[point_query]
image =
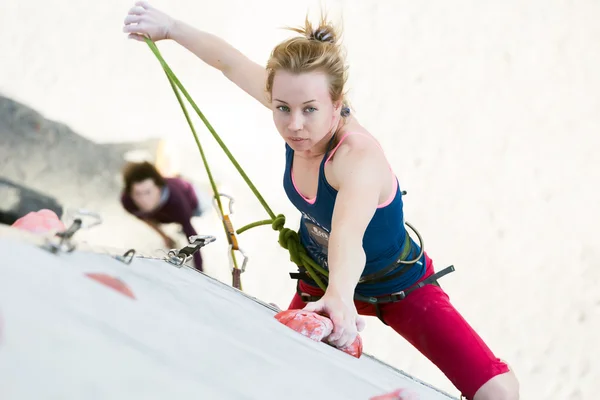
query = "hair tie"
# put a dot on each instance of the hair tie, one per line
(323, 35)
(345, 111)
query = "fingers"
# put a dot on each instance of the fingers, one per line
(314, 307)
(346, 339)
(344, 332)
(135, 36)
(137, 10)
(360, 323)
(146, 21)
(132, 19)
(345, 325)
(136, 28)
(138, 32)
(143, 4)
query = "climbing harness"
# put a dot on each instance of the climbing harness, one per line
(288, 239)
(398, 267)
(392, 271)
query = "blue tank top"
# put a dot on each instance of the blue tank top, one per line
(382, 241)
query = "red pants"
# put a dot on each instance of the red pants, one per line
(434, 327)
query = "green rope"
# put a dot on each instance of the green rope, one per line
(204, 160)
(288, 239)
(174, 80)
(254, 225)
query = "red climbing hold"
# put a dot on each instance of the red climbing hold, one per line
(316, 327)
(399, 394)
(112, 282)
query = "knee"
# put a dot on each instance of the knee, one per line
(500, 387)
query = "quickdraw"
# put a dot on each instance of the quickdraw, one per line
(179, 257)
(62, 241)
(233, 242)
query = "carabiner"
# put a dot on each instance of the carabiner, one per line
(231, 237)
(231, 260)
(216, 204)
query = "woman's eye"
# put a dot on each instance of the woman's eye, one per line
(310, 109)
(283, 108)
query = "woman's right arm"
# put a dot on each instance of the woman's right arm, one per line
(144, 20)
(217, 53)
(169, 242)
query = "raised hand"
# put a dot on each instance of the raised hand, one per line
(143, 20)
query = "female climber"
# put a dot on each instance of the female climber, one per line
(352, 223)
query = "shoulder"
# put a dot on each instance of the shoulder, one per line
(173, 182)
(177, 184)
(359, 146)
(358, 161)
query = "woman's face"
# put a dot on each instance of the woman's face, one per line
(303, 111)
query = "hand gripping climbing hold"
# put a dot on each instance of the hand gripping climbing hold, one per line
(316, 327)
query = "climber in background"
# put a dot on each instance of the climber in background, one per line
(157, 200)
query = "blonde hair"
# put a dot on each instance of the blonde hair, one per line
(317, 49)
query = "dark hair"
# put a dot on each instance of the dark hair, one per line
(138, 172)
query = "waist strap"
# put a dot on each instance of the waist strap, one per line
(390, 298)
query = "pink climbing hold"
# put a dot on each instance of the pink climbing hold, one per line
(42, 221)
(398, 394)
(112, 282)
(316, 327)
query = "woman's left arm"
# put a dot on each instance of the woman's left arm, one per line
(358, 178)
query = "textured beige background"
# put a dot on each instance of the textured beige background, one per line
(489, 112)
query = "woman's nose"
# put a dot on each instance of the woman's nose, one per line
(296, 123)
